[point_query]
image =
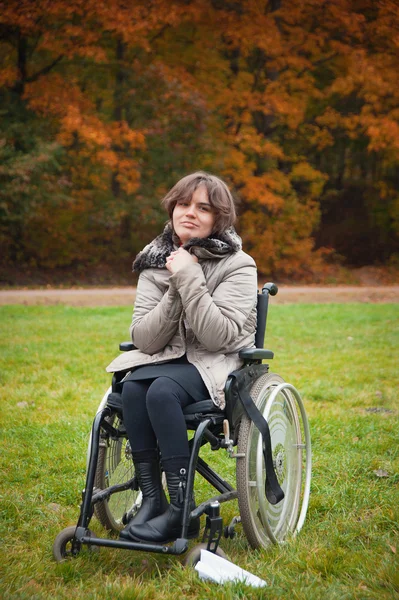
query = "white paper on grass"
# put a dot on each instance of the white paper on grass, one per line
(218, 569)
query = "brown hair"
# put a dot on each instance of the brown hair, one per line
(219, 197)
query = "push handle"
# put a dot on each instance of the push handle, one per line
(271, 288)
(262, 307)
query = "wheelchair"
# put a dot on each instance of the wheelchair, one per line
(264, 428)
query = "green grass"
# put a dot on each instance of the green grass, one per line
(343, 359)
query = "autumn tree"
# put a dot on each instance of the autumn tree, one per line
(313, 92)
(88, 72)
(106, 104)
(354, 136)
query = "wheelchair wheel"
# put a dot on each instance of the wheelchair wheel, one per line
(62, 547)
(115, 466)
(282, 407)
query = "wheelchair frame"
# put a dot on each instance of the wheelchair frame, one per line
(208, 423)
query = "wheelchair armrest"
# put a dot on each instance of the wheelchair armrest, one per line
(255, 354)
(126, 346)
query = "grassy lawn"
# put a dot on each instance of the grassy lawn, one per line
(343, 359)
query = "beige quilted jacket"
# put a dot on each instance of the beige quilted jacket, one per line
(206, 311)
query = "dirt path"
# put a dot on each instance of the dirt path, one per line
(121, 296)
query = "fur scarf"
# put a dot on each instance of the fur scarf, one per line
(154, 255)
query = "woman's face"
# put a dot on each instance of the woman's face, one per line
(194, 218)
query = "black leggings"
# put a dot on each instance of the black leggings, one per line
(153, 411)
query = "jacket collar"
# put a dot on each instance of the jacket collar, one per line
(155, 253)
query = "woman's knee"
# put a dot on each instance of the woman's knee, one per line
(133, 393)
(164, 392)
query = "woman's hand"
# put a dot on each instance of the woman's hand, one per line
(179, 259)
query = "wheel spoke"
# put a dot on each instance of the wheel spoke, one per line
(115, 466)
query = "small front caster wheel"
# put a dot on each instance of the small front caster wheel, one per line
(229, 532)
(194, 555)
(64, 545)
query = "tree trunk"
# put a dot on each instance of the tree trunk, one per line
(118, 104)
(22, 49)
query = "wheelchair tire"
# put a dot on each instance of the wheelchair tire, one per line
(115, 466)
(282, 407)
(62, 547)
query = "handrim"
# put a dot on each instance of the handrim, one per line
(264, 523)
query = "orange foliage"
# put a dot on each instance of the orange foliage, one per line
(266, 95)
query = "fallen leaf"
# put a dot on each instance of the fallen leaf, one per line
(22, 404)
(393, 548)
(355, 439)
(381, 473)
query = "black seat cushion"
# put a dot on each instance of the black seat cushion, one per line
(204, 406)
(114, 401)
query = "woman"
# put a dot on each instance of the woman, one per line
(195, 309)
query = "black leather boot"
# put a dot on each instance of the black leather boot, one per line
(154, 501)
(167, 527)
